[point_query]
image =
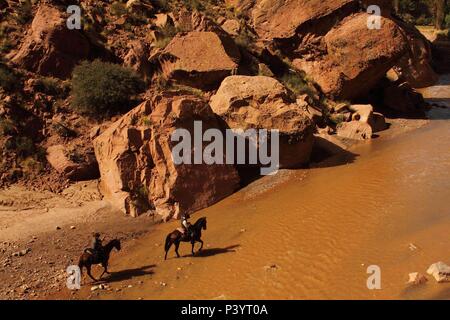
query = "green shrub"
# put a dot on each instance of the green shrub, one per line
(118, 9)
(31, 166)
(5, 46)
(336, 119)
(140, 198)
(424, 21)
(447, 21)
(166, 35)
(5, 39)
(7, 127)
(8, 80)
(24, 146)
(101, 88)
(193, 5)
(186, 89)
(244, 39)
(296, 83)
(160, 82)
(145, 121)
(48, 85)
(24, 12)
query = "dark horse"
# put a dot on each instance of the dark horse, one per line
(87, 259)
(176, 237)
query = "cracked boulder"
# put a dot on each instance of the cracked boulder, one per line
(138, 171)
(259, 102)
(199, 59)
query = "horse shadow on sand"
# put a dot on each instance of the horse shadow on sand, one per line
(127, 274)
(209, 252)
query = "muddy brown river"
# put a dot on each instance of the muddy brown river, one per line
(314, 234)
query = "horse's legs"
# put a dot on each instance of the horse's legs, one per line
(193, 243)
(170, 244)
(201, 247)
(88, 267)
(105, 268)
(177, 244)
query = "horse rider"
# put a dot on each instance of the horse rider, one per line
(96, 246)
(186, 225)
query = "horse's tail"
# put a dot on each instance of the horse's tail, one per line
(167, 244)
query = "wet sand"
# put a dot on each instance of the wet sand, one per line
(312, 233)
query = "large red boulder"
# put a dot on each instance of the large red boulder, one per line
(199, 59)
(138, 171)
(49, 47)
(259, 102)
(330, 40)
(355, 58)
(415, 66)
(59, 158)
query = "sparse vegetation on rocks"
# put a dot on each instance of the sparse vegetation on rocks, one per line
(166, 34)
(118, 8)
(24, 12)
(101, 88)
(296, 83)
(49, 85)
(8, 79)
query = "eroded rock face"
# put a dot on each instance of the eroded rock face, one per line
(275, 19)
(355, 58)
(415, 66)
(136, 165)
(199, 59)
(258, 102)
(50, 48)
(330, 41)
(61, 162)
(354, 130)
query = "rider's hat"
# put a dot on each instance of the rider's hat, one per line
(96, 234)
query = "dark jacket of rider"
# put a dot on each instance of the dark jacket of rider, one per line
(96, 243)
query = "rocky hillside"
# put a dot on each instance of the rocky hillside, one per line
(102, 101)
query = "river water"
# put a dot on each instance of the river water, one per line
(387, 203)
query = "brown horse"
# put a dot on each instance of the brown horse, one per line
(176, 237)
(87, 259)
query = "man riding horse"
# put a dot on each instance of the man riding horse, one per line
(97, 254)
(187, 233)
(186, 225)
(96, 248)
